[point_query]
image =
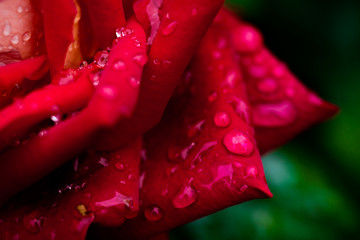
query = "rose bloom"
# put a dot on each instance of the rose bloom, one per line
(126, 119)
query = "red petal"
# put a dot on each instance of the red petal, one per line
(66, 211)
(282, 106)
(182, 25)
(199, 161)
(114, 99)
(15, 73)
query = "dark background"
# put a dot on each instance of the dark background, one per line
(315, 178)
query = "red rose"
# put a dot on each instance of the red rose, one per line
(163, 124)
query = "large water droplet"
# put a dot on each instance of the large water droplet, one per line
(246, 38)
(169, 29)
(222, 119)
(186, 196)
(119, 65)
(153, 213)
(237, 142)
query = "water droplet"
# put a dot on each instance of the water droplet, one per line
(194, 12)
(247, 39)
(141, 180)
(26, 36)
(274, 114)
(240, 108)
(224, 173)
(169, 29)
(118, 199)
(83, 64)
(267, 85)
(103, 161)
(213, 96)
(131, 177)
(152, 10)
(195, 129)
(243, 188)
(140, 59)
(20, 9)
(279, 71)
(94, 77)
(43, 133)
(101, 58)
(153, 213)
(134, 82)
(119, 65)
(122, 32)
(198, 157)
(7, 29)
(56, 118)
(186, 196)
(137, 43)
(15, 39)
(257, 71)
(251, 172)
(120, 166)
(222, 119)
(156, 62)
(238, 142)
(108, 93)
(166, 64)
(33, 222)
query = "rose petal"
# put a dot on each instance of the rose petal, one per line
(113, 99)
(99, 21)
(169, 55)
(198, 161)
(66, 211)
(282, 106)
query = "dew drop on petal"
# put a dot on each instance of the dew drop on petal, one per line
(274, 114)
(169, 29)
(222, 119)
(119, 65)
(123, 32)
(103, 161)
(237, 142)
(251, 172)
(101, 58)
(153, 213)
(7, 29)
(134, 82)
(26, 36)
(194, 12)
(15, 39)
(20, 9)
(213, 96)
(186, 196)
(267, 85)
(140, 59)
(108, 93)
(120, 166)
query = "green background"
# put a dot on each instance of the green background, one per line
(315, 178)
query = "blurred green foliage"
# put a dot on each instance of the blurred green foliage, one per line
(315, 178)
